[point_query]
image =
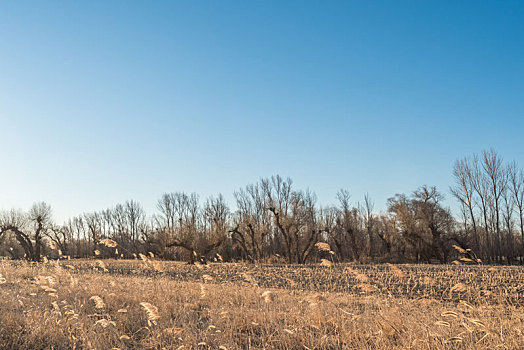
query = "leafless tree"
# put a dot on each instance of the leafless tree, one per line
(405, 218)
(369, 222)
(251, 230)
(388, 234)
(482, 189)
(464, 192)
(184, 224)
(516, 188)
(508, 205)
(497, 179)
(423, 223)
(93, 222)
(29, 229)
(62, 237)
(346, 228)
(435, 218)
(294, 215)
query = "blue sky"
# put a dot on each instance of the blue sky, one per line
(103, 101)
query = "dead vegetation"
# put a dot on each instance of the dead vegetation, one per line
(153, 304)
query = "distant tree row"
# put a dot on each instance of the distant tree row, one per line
(274, 222)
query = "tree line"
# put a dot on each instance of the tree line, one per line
(275, 222)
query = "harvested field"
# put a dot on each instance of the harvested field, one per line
(482, 284)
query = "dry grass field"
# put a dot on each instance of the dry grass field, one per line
(151, 304)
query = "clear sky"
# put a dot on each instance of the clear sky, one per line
(103, 101)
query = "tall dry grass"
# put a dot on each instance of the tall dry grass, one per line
(132, 304)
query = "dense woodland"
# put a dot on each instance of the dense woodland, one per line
(274, 222)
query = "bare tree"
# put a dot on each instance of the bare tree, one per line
(295, 218)
(62, 237)
(497, 179)
(406, 220)
(507, 218)
(29, 229)
(15, 221)
(166, 206)
(93, 222)
(216, 216)
(388, 233)
(464, 192)
(184, 224)
(251, 230)
(345, 231)
(41, 221)
(516, 187)
(369, 222)
(136, 222)
(423, 223)
(482, 189)
(435, 218)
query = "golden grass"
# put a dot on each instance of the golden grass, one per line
(131, 304)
